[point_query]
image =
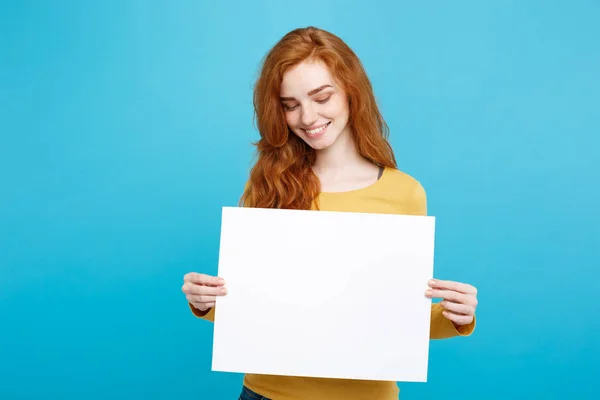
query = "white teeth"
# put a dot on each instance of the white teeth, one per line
(315, 131)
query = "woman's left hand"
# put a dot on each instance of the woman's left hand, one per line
(459, 300)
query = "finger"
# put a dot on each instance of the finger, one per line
(203, 306)
(458, 308)
(193, 289)
(447, 295)
(200, 299)
(457, 318)
(451, 285)
(206, 306)
(203, 279)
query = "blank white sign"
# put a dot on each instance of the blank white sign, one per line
(324, 294)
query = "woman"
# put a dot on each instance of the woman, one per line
(323, 146)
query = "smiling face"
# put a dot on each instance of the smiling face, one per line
(316, 109)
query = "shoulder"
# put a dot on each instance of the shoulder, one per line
(406, 191)
(403, 182)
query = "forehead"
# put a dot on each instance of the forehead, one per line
(304, 77)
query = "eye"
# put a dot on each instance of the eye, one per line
(324, 100)
(287, 107)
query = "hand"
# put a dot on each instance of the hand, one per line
(202, 290)
(460, 300)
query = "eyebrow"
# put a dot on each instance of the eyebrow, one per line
(314, 91)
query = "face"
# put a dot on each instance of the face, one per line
(316, 109)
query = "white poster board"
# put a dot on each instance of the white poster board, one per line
(324, 294)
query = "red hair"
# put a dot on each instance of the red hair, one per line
(282, 176)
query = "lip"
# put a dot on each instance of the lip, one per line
(315, 135)
(310, 128)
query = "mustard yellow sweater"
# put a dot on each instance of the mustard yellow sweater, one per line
(394, 193)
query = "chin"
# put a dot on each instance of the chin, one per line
(320, 144)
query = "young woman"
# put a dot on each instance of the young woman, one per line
(323, 146)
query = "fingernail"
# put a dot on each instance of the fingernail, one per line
(431, 282)
(221, 281)
(428, 292)
(224, 290)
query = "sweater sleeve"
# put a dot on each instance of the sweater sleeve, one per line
(441, 327)
(208, 315)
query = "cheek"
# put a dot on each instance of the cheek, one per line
(290, 119)
(339, 114)
(337, 109)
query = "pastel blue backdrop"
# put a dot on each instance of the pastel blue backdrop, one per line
(125, 126)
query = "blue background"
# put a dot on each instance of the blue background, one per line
(126, 125)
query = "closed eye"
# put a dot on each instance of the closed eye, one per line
(323, 101)
(290, 108)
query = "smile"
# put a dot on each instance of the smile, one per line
(317, 130)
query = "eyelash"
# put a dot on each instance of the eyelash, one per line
(323, 101)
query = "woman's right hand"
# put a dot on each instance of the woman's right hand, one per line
(202, 290)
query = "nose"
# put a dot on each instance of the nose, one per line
(309, 115)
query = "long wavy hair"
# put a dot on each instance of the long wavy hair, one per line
(282, 176)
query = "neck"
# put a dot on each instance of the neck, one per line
(341, 157)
